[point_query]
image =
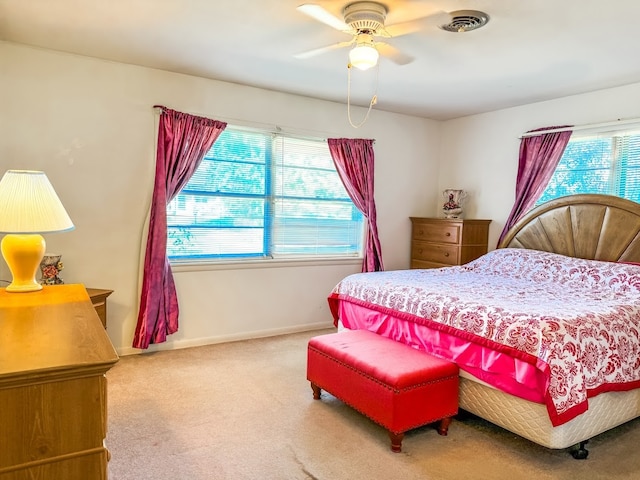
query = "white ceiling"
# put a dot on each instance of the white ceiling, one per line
(531, 50)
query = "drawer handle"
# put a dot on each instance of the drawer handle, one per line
(421, 232)
(448, 234)
(446, 254)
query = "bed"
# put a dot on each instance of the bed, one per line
(545, 329)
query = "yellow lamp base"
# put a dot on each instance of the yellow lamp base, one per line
(23, 254)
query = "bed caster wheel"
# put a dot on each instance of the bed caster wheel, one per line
(580, 453)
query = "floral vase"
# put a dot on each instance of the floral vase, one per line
(50, 267)
(452, 207)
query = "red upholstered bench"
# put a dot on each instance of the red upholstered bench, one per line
(397, 386)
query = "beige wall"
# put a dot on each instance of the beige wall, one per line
(90, 126)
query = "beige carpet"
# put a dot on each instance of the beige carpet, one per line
(244, 410)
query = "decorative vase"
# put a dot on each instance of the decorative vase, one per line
(452, 207)
(50, 267)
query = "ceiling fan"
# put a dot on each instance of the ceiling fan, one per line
(365, 22)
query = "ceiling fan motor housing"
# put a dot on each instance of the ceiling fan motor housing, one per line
(365, 17)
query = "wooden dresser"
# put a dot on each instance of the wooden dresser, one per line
(54, 353)
(443, 242)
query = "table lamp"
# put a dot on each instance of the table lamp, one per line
(29, 206)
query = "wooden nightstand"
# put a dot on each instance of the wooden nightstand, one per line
(443, 242)
(99, 299)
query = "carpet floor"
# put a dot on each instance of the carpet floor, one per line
(244, 410)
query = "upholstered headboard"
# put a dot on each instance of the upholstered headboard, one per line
(599, 227)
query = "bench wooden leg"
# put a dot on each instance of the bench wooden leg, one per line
(396, 438)
(396, 441)
(443, 427)
(316, 391)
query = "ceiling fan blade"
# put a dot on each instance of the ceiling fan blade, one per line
(318, 51)
(322, 15)
(393, 54)
(412, 26)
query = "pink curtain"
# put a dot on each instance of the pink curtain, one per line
(354, 160)
(183, 141)
(539, 157)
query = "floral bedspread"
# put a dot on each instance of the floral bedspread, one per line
(577, 320)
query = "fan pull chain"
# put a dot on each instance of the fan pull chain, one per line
(374, 98)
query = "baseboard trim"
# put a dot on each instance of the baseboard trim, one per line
(198, 342)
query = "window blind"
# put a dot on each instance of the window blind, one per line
(266, 195)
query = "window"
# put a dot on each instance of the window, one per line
(262, 195)
(606, 164)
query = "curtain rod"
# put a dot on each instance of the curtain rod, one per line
(285, 130)
(582, 127)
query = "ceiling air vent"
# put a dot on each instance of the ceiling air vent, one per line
(465, 21)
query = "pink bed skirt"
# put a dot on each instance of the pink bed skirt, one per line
(498, 369)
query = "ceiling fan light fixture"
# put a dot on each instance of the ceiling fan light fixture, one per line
(365, 54)
(363, 57)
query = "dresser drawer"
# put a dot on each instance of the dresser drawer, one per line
(435, 253)
(439, 233)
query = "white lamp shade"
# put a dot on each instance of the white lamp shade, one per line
(29, 204)
(363, 57)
